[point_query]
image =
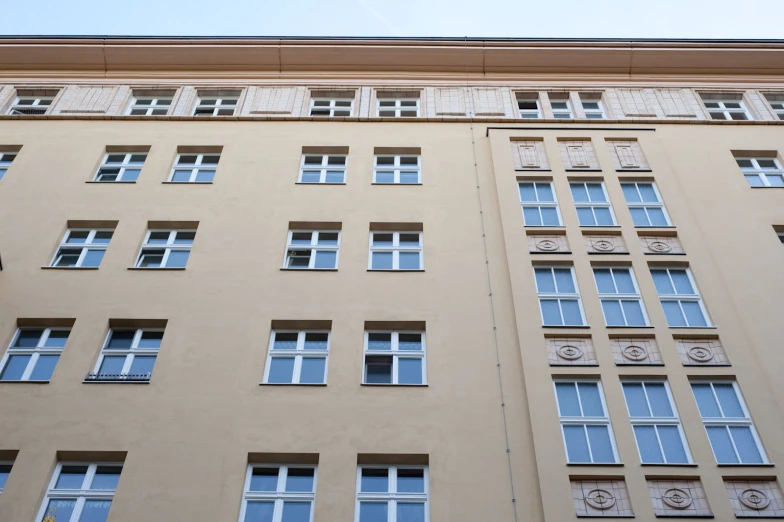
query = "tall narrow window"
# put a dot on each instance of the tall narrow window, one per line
(323, 168)
(216, 106)
(728, 423)
(592, 204)
(30, 105)
(660, 439)
(331, 107)
(150, 106)
(82, 248)
(620, 297)
(396, 251)
(562, 108)
(297, 357)
(645, 204)
(390, 107)
(762, 172)
(318, 249)
(559, 298)
(5, 471)
(726, 109)
(80, 493)
(592, 107)
(528, 106)
(194, 168)
(679, 297)
(776, 102)
(399, 169)
(6, 158)
(166, 249)
(279, 493)
(394, 358)
(392, 494)
(128, 355)
(121, 167)
(585, 423)
(540, 207)
(33, 354)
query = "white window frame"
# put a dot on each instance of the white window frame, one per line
(129, 353)
(35, 353)
(221, 103)
(620, 297)
(397, 108)
(645, 205)
(37, 104)
(655, 422)
(396, 249)
(6, 159)
(558, 296)
(593, 114)
(397, 168)
(314, 247)
(584, 420)
(168, 247)
(323, 168)
(195, 168)
(727, 422)
(80, 495)
(392, 498)
(593, 205)
(566, 113)
(299, 353)
(778, 107)
(539, 205)
(331, 107)
(695, 297)
(280, 495)
(529, 114)
(126, 164)
(157, 103)
(725, 111)
(85, 247)
(762, 173)
(396, 353)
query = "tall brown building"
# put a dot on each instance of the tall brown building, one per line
(373, 280)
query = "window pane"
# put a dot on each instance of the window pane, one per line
(151, 259)
(633, 311)
(44, 367)
(95, 511)
(775, 181)
(648, 193)
(409, 177)
(312, 371)
(373, 512)
(121, 339)
(722, 446)
(640, 217)
(382, 239)
(106, 477)
(181, 176)
(259, 511)
(648, 445)
(531, 217)
(61, 510)
(604, 281)
(544, 192)
(576, 444)
(335, 176)
(150, 340)
(112, 365)
(374, 480)
(410, 512)
(409, 261)
(77, 236)
(205, 176)
(15, 367)
(681, 281)
(591, 399)
(674, 451)
(300, 479)
(544, 280)
(568, 403)
(657, 217)
(635, 400)
(728, 400)
(177, 259)
(550, 216)
(410, 481)
(71, 477)
(660, 403)
(571, 312)
(379, 341)
(378, 369)
(285, 341)
(747, 447)
(5, 470)
(314, 341)
(551, 312)
(612, 313)
(327, 238)
(296, 512)
(28, 338)
(630, 193)
(662, 282)
(705, 400)
(409, 371)
(603, 216)
(142, 365)
(409, 341)
(264, 479)
(595, 192)
(184, 238)
(385, 177)
(579, 192)
(527, 192)
(673, 313)
(585, 217)
(281, 370)
(694, 313)
(311, 176)
(57, 338)
(623, 281)
(326, 259)
(601, 447)
(382, 261)
(93, 257)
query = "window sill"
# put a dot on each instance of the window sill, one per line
(393, 270)
(582, 170)
(69, 268)
(285, 269)
(540, 227)
(614, 227)
(99, 381)
(306, 183)
(186, 182)
(687, 516)
(380, 385)
(556, 252)
(533, 170)
(25, 382)
(693, 327)
(633, 170)
(688, 465)
(397, 184)
(597, 464)
(663, 227)
(605, 516)
(306, 385)
(110, 182)
(156, 268)
(582, 327)
(615, 327)
(767, 187)
(764, 465)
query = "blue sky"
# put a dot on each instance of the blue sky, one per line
(479, 18)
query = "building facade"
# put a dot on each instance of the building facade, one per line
(320, 280)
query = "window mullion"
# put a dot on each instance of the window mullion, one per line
(30, 365)
(127, 364)
(77, 512)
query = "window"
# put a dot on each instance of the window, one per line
(727, 110)
(216, 106)
(679, 298)
(660, 439)
(5, 471)
(150, 106)
(645, 204)
(398, 107)
(80, 493)
(528, 106)
(540, 208)
(397, 169)
(331, 107)
(396, 251)
(559, 298)
(585, 424)
(166, 249)
(620, 297)
(392, 494)
(592, 108)
(33, 354)
(762, 172)
(297, 357)
(279, 493)
(728, 423)
(312, 249)
(562, 108)
(777, 104)
(323, 168)
(129, 354)
(30, 105)
(194, 168)
(82, 248)
(6, 158)
(592, 204)
(121, 167)
(394, 358)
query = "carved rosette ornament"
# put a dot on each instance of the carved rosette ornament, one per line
(603, 245)
(677, 498)
(600, 499)
(700, 354)
(569, 352)
(635, 353)
(659, 246)
(547, 245)
(754, 499)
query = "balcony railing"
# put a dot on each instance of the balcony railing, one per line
(118, 377)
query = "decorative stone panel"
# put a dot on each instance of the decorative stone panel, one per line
(272, 100)
(601, 498)
(571, 351)
(488, 101)
(548, 244)
(759, 107)
(605, 244)
(627, 155)
(661, 244)
(679, 103)
(529, 155)
(678, 498)
(450, 101)
(578, 155)
(637, 103)
(755, 498)
(636, 351)
(7, 94)
(93, 99)
(702, 352)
